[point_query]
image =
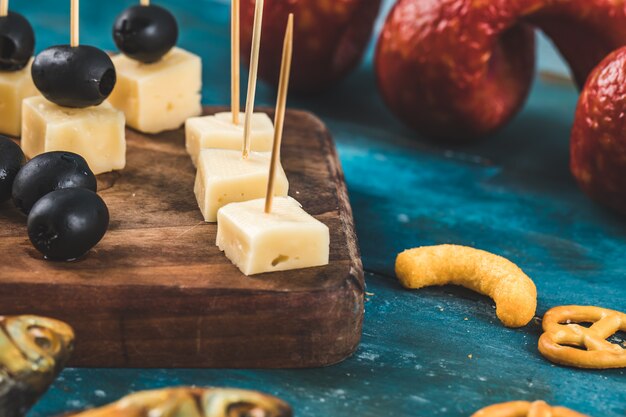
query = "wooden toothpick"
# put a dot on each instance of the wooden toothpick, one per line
(281, 105)
(234, 61)
(4, 7)
(254, 67)
(145, 2)
(74, 23)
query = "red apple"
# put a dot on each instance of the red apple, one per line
(598, 145)
(461, 69)
(330, 37)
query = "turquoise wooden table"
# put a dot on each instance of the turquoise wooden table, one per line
(437, 352)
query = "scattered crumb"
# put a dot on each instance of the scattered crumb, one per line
(470, 356)
(403, 218)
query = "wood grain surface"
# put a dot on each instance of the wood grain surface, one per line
(157, 292)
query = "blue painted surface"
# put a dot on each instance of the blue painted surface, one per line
(437, 352)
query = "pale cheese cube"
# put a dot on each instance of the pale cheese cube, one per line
(159, 96)
(15, 86)
(96, 133)
(218, 131)
(287, 238)
(224, 177)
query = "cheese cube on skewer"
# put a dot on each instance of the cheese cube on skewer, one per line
(257, 242)
(15, 86)
(158, 96)
(218, 131)
(96, 133)
(224, 177)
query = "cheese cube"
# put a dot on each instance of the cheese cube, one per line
(158, 96)
(218, 131)
(286, 238)
(15, 86)
(96, 133)
(224, 177)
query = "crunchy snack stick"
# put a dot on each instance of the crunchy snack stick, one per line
(513, 291)
(524, 409)
(567, 343)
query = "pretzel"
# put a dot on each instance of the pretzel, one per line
(193, 402)
(526, 409)
(33, 350)
(513, 291)
(563, 339)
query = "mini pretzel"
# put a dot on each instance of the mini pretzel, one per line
(526, 409)
(193, 402)
(513, 291)
(563, 338)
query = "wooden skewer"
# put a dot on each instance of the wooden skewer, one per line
(254, 67)
(4, 7)
(234, 62)
(74, 23)
(281, 106)
(145, 2)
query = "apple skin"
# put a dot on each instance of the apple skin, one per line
(598, 143)
(330, 37)
(461, 69)
(455, 69)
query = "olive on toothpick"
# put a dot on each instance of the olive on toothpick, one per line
(17, 42)
(145, 32)
(74, 75)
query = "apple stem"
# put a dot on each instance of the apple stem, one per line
(281, 106)
(74, 6)
(234, 62)
(254, 67)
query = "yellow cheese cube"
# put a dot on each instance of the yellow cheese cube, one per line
(96, 133)
(218, 131)
(224, 177)
(159, 96)
(286, 238)
(15, 86)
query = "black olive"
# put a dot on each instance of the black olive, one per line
(145, 33)
(80, 76)
(50, 172)
(11, 160)
(65, 224)
(17, 42)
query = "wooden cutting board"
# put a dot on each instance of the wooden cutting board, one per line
(157, 292)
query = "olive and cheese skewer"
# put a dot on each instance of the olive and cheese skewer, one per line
(73, 115)
(158, 84)
(227, 130)
(17, 43)
(274, 233)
